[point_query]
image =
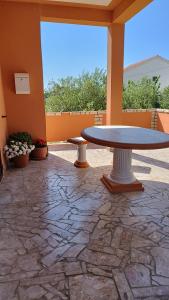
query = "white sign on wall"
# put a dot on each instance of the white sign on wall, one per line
(22, 84)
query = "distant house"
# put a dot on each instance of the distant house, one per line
(151, 67)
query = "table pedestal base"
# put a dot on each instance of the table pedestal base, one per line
(121, 178)
(115, 187)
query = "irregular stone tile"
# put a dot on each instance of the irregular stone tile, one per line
(4, 270)
(105, 208)
(28, 263)
(164, 243)
(29, 244)
(8, 240)
(138, 275)
(51, 258)
(161, 280)
(161, 257)
(145, 292)
(83, 225)
(122, 285)
(7, 290)
(72, 268)
(17, 276)
(53, 279)
(138, 256)
(88, 287)
(97, 271)
(166, 221)
(45, 233)
(121, 211)
(39, 241)
(126, 239)
(117, 237)
(83, 218)
(55, 293)
(156, 236)
(144, 211)
(150, 228)
(140, 242)
(87, 204)
(81, 238)
(8, 257)
(33, 292)
(57, 212)
(62, 233)
(101, 236)
(53, 242)
(99, 258)
(74, 251)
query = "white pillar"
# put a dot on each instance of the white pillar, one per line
(81, 153)
(122, 168)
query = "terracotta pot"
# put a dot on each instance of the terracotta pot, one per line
(39, 153)
(21, 161)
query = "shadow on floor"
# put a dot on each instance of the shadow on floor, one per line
(141, 169)
(67, 147)
(151, 161)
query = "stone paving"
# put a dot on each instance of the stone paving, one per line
(64, 236)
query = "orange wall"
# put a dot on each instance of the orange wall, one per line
(141, 119)
(20, 51)
(163, 122)
(60, 128)
(3, 123)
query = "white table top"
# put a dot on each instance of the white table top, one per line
(126, 137)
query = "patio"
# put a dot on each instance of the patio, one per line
(64, 236)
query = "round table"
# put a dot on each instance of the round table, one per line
(123, 139)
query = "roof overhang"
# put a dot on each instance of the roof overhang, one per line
(92, 12)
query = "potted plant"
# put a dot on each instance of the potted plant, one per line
(41, 150)
(23, 137)
(18, 153)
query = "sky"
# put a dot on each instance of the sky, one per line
(68, 50)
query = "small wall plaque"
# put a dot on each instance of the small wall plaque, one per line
(22, 84)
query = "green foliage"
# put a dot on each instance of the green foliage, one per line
(85, 92)
(23, 137)
(88, 92)
(142, 94)
(164, 101)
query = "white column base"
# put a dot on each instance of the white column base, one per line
(81, 152)
(122, 168)
(81, 161)
(121, 178)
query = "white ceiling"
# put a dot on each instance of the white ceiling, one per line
(92, 2)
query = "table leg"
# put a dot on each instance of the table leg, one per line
(121, 178)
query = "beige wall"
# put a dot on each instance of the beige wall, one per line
(3, 122)
(20, 51)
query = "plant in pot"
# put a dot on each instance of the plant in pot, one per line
(18, 153)
(41, 150)
(23, 137)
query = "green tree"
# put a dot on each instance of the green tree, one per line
(164, 101)
(85, 92)
(88, 92)
(144, 93)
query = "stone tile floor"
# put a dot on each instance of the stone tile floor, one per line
(64, 236)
